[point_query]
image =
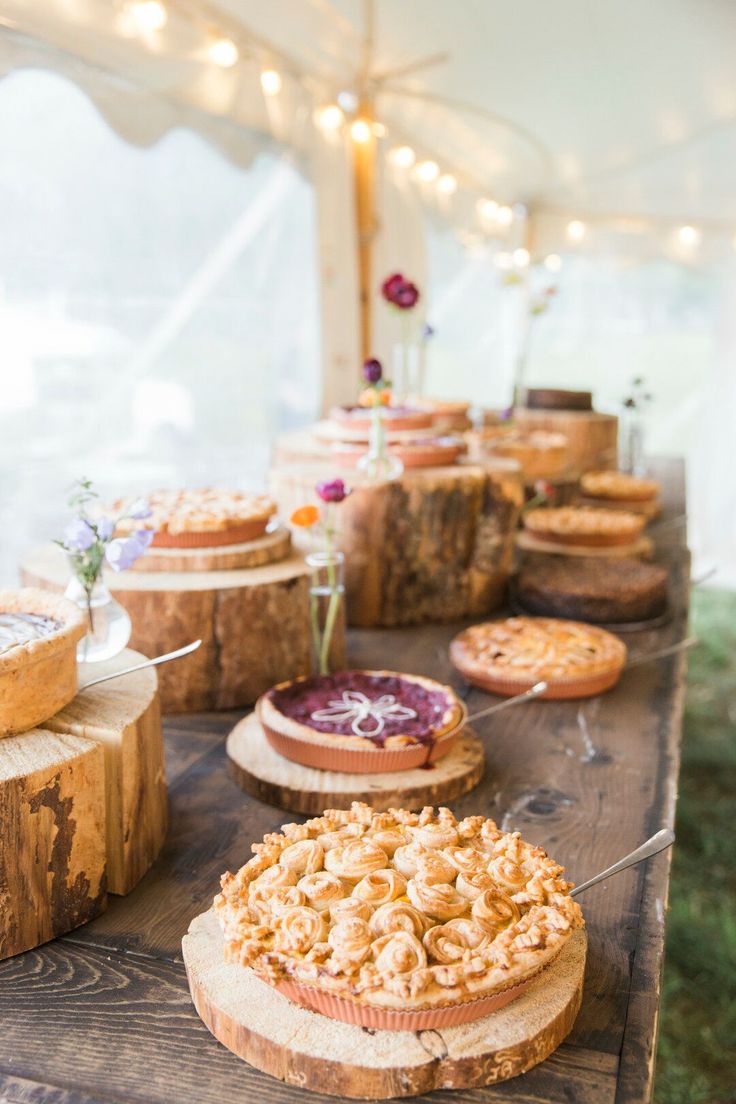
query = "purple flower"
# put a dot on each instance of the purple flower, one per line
(400, 292)
(105, 528)
(506, 414)
(427, 331)
(79, 535)
(122, 552)
(332, 490)
(140, 510)
(391, 285)
(372, 370)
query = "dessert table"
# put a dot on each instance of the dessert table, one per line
(104, 1013)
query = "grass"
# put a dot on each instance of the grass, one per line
(696, 1061)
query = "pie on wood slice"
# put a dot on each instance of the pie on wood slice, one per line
(39, 633)
(510, 656)
(361, 721)
(584, 526)
(397, 920)
(422, 452)
(208, 517)
(394, 417)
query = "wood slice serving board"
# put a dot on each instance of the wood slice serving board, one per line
(273, 547)
(265, 774)
(641, 549)
(253, 623)
(434, 545)
(324, 1056)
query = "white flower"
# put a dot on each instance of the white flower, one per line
(357, 708)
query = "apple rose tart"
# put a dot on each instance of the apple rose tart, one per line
(449, 926)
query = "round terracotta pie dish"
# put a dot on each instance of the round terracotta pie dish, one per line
(39, 633)
(508, 657)
(207, 517)
(424, 452)
(584, 526)
(287, 716)
(397, 920)
(394, 417)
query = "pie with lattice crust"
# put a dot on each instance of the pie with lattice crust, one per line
(584, 526)
(508, 657)
(357, 912)
(202, 518)
(362, 721)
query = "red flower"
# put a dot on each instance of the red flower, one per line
(391, 285)
(400, 292)
(332, 490)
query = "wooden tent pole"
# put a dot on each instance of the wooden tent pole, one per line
(364, 172)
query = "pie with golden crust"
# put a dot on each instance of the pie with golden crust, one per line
(361, 721)
(395, 912)
(584, 526)
(39, 633)
(616, 486)
(541, 454)
(207, 517)
(508, 657)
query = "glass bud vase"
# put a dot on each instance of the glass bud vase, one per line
(631, 445)
(327, 611)
(378, 462)
(407, 377)
(109, 626)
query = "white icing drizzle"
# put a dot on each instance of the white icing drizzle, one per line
(357, 708)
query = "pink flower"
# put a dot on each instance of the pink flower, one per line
(400, 292)
(332, 490)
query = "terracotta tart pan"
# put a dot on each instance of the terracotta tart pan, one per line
(233, 534)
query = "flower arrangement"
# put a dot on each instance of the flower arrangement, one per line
(322, 521)
(90, 542)
(377, 462)
(402, 297)
(639, 398)
(544, 495)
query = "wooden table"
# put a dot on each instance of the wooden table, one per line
(104, 1014)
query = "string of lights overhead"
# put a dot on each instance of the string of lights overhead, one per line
(225, 49)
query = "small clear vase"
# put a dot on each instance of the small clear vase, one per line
(631, 457)
(408, 373)
(327, 611)
(109, 626)
(378, 463)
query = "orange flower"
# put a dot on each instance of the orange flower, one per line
(385, 397)
(305, 516)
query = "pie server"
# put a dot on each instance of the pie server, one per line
(147, 663)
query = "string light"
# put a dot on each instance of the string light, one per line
(553, 262)
(447, 184)
(330, 117)
(521, 258)
(149, 15)
(360, 131)
(576, 230)
(689, 236)
(505, 216)
(271, 82)
(428, 171)
(403, 157)
(223, 52)
(487, 208)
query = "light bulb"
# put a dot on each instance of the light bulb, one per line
(271, 82)
(521, 258)
(347, 100)
(428, 171)
(330, 117)
(553, 262)
(361, 131)
(447, 184)
(505, 216)
(576, 230)
(149, 15)
(689, 236)
(403, 156)
(223, 52)
(487, 208)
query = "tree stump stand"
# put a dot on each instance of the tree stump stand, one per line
(263, 773)
(592, 438)
(325, 1056)
(253, 623)
(434, 545)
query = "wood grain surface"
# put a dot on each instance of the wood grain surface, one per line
(265, 774)
(272, 547)
(297, 1046)
(104, 1013)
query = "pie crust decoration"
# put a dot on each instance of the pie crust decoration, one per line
(361, 721)
(584, 526)
(202, 518)
(441, 929)
(508, 657)
(39, 633)
(593, 589)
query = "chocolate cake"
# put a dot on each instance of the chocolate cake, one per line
(595, 590)
(549, 398)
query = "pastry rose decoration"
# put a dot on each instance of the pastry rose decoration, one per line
(304, 857)
(350, 907)
(380, 886)
(437, 899)
(398, 952)
(321, 889)
(493, 911)
(397, 916)
(355, 860)
(298, 929)
(350, 940)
